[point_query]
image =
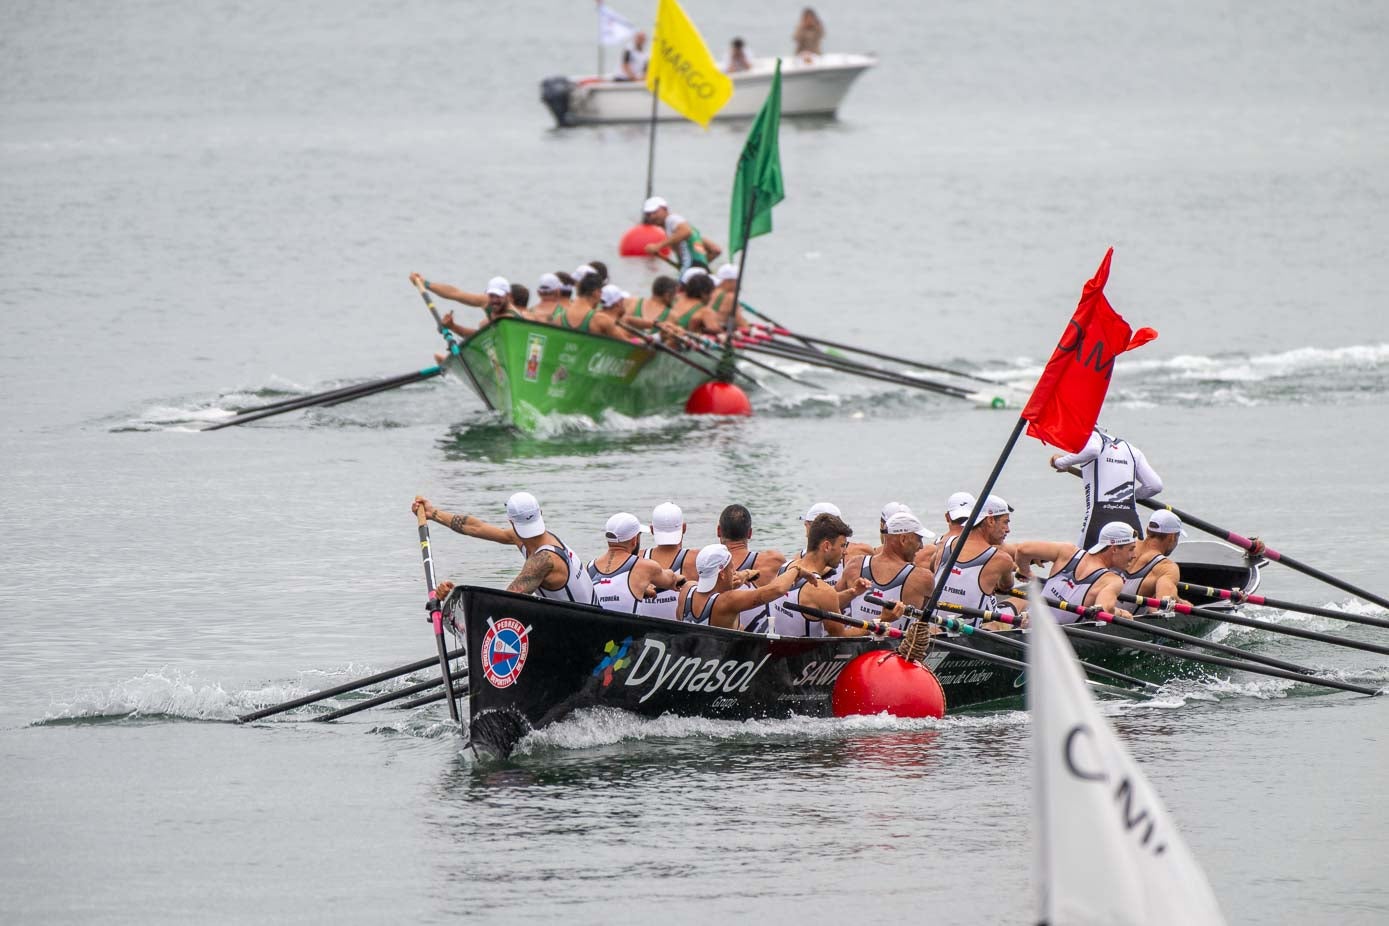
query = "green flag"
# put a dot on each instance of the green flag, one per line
(757, 186)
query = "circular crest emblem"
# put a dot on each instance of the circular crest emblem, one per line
(504, 649)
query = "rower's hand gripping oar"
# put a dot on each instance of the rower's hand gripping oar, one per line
(444, 330)
(435, 612)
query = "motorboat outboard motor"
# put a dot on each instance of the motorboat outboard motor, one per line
(554, 93)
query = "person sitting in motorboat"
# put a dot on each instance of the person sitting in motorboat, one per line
(552, 570)
(650, 311)
(634, 59)
(984, 569)
(691, 248)
(808, 36)
(722, 594)
(738, 57)
(668, 551)
(1086, 577)
(827, 539)
(890, 572)
(623, 581)
(1117, 476)
(1153, 573)
(495, 302)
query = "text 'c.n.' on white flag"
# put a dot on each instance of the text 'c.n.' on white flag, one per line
(613, 28)
(1106, 851)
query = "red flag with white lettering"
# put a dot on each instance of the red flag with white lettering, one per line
(1065, 403)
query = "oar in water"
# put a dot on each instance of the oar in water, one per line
(386, 698)
(656, 345)
(436, 615)
(1167, 603)
(1239, 597)
(432, 698)
(330, 397)
(336, 690)
(905, 361)
(855, 369)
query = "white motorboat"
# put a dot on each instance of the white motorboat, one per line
(808, 88)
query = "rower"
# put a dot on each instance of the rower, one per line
(853, 549)
(983, 568)
(691, 248)
(827, 539)
(1087, 577)
(582, 314)
(612, 305)
(552, 570)
(667, 551)
(691, 309)
(760, 568)
(725, 286)
(566, 285)
(650, 311)
(891, 572)
(495, 302)
(721, 595)
(1117, 476)
(549, 295)
(927, 536)
(520, 299)
(957, 509)
(1153, 574)
(622, 581)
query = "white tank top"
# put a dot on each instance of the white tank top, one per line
(834, 574)
(665, 603)
(1110, 484)
(888, 591)
(1133, 580)
(963, 586)
(706, 612)
(788, 623)
(753, 619)
(578, 587)
(612, 591)
(1064, 586)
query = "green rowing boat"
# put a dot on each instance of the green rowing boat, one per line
(526, 372)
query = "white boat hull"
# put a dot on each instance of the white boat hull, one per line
(814, 89)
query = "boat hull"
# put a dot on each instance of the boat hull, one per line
(815, 89)
(527, 371)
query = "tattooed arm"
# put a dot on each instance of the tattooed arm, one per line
(467, 524)
(533, 574)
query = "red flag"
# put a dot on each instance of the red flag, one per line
(1066, 401)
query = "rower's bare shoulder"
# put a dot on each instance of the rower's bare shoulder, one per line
(858, 549)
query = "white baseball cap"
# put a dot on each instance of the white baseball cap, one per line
(903, 522)
(727, 272)
(498, 286)
(709, 563)
(581, 271)
(1114, 534)
(819, 508)
(549, 283)
(892, 508)
(994, 506)
(959, 506)
(622, 527)
(691, 273)
(524, 513)
(1165, 522)
(611, 295)
(667, 524)
(652, 204)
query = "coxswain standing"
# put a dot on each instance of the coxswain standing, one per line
(623, 581)
(891, 572)
(1117, 476)
(721, 595)
(1152, 574)
(691, 248)
(667, 551)
(552, 570)
(983, 568)
(1089, 577)
(827, 539)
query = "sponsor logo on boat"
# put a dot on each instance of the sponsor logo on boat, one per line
(535, 350)
(657, 670)
(610, 365)
(822, 672)
(504, 649)
(614, 660)
(967, 672)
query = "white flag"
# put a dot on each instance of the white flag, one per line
(1107, 853)
(613, 29)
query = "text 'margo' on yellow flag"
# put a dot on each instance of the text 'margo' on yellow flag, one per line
(688, 79)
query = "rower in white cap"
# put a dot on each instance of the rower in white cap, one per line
(691, 248)
(721, 595)
(827, 539)
(584, 313)
(957, 509)
(495, 302)
(1153, 574)
(549, 296)
(691, 309)
(983, 568)
(650, 311)
(552, 570)
(622, 581)
(1086, 577)
(667, 551)
(1117, 475)
(726, 280)
(891, 571)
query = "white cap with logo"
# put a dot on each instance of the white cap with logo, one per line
(611, 295)
(959, 506)
(819, 508)
(709, 563)
(498, 286)
(622, 527)
(524, 513)
(667, 524)
(904, 522)
(582, 271)
(549, 283)
(1165, 522)
(1114, 534)
(994, 506)
(652, 204)
(892, 508)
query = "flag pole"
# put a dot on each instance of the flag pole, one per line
(914, 645)
(726, 362)
(651, 147)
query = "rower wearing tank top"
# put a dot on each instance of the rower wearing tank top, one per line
(691, 310)
(853, 549)
(552, 570)
(720, 595)
(984, 568)
(667, 551)
(1153, 574)
(758, 568)
(1086, 576)
(957, 509)
(622, 581)
(890, 571)
(650, 311)
(827, 540)
(927, 536)
(1117, 476)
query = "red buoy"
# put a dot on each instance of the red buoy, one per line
(636, 238)
(716, 398)
(884, 681)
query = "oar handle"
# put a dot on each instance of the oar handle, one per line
(877, 627)
(438, 321)
(436, 614)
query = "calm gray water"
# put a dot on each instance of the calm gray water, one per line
(202, 205)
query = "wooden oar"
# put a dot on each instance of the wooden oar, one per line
(780, 331)
(336, 690)
(436, 615)
(330, 397)
(1239, 597)
(1167, 603)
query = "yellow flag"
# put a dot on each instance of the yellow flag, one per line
(689, 80)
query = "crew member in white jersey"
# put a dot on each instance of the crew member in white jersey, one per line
(1088, 577)
(622, 581)
(1117, 476)
(890, 570)
(927, 536)
(691, 248)
(720, 595)
(552, 570)
(759, 568)
(1153, 574)
(983, 569)
(667, 551)
(827, 539)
